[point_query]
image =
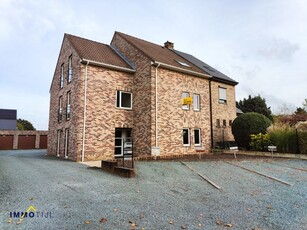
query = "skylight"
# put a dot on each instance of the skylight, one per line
(183, 63)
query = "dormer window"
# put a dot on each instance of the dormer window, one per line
(183, 63)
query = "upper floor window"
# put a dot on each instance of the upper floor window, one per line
(196, 102)
(124, 100)
(222, 95)
(69, 68)
(60, 111)
(62, 76)
(185, 95)
(68, 105)
(224, 123)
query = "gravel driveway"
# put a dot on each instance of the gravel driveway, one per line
(164, 195)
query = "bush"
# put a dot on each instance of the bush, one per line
(260, 142)
(284, 137)
(302, 136)
(247, 124)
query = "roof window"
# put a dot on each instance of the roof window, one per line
(183, 63)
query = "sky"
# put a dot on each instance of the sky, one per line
(262, 44)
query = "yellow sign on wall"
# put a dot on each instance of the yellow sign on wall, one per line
(187, 101)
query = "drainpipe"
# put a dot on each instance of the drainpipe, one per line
(156, 105)
(84, 112)
(211, 119)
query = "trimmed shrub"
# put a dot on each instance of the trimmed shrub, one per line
(246, 124)
(284, 137)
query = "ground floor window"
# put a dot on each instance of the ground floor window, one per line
(66, 142)
(197, 136)
(186, 137)
(59, 132)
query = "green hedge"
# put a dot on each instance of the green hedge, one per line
(246, 124)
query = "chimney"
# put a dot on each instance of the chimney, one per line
(169, 45)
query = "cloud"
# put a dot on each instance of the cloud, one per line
(280, 49)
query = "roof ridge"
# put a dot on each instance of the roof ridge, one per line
(120, 33)
(74, 36)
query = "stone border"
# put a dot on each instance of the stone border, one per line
(268, 154)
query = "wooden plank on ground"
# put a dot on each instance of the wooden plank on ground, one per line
(202, 176)
(253, 171)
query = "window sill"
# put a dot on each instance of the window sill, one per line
(123, 108)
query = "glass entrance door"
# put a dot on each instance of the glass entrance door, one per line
(121, 136)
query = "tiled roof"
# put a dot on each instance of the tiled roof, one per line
(174, 58)
(96, 51)
(159, 53)
(217, 75)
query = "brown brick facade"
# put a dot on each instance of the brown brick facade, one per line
(103, 117)
(224, 112)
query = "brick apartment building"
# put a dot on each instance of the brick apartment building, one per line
(103, 95)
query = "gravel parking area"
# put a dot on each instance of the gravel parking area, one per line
(164, 195)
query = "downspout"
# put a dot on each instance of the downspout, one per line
(211, 119)
(156, 106)
(84, 112)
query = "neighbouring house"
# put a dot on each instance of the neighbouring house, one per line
(164, 101)
(8, 119)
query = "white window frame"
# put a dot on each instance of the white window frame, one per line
(66, 143)
(68, 105)
(199, 136)
(69, 78)
(119, 99)
(60, 114)
(185, 95)
(58, 144)
(222, 95)
(62, 77)
(196, 102)
(189, 142)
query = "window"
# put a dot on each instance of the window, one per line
(124, 100)
(230, 123)
(60, 112)
(66, 142)
(69, 69)
(185, 95)
(218, 123)
(222, 95)
(197, 137)
(62, 76)
(186, 137)
(183, 63)
(68, 106)
(196, 102)
(58, 143)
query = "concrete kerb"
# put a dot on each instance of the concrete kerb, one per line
(267, 154)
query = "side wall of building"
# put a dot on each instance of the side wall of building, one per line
(223, 114)
(142, 94)
(74, 87)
